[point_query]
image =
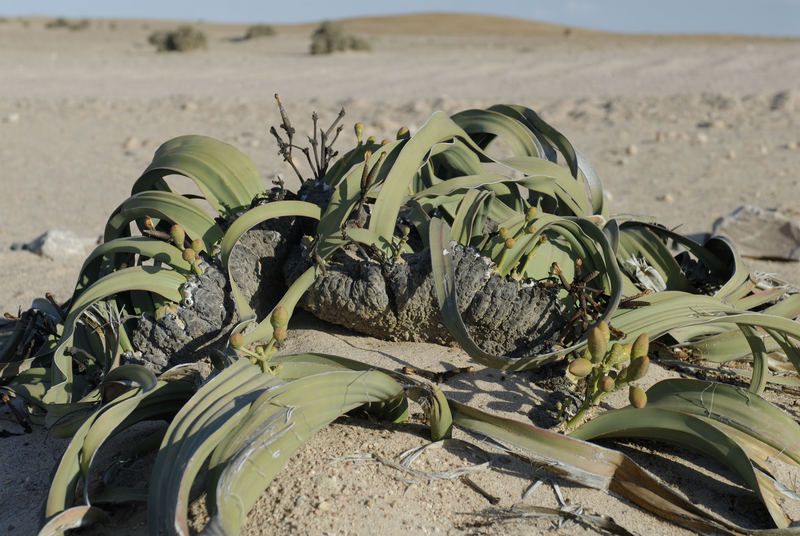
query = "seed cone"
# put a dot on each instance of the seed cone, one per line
(280, 334)
(237, 340)
(638, 368)
(189, 255)
(178, 235)
(607, 384)
(510, 243)
(280, 317)
(197, 245)
(637, 397)
(640, 346)
(617, 355)
(603, 326)
(580, 368)
(597, 344)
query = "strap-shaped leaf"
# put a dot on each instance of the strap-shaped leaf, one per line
(78, 457)
(164, 282)
(164, 206)
(691, 432)
(158, 250)
(227, 177)
(247, 221)
(204, 421)
(279, 422)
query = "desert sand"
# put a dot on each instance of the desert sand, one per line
(680, 128)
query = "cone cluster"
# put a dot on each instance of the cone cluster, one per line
(605, 367)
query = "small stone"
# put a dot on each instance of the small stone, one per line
(632, 150)
(12, 118)
(324, 506)
(717, 123)
(660, 137)
(132, 143)
(792, 145)
(666, 198)
(701, 138)
(622, 161)
(764, 150)
(783, 100)
(731, 154)
(761, 233)
(189, 106)
(57, 244)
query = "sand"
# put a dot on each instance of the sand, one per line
(682, 129)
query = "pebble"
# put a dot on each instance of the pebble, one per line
(764, 149)
(660, 137)
(632, 150)
(12, 118)
(792, 145)
(189, 106)
(324, 506)
(783, 100)
(731, 154)
(666, 198)
(132, 143)
(701, 138)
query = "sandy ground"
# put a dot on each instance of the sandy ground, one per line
(681, 129)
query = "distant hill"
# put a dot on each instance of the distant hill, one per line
(452, 24)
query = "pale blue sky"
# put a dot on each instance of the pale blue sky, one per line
(762, 17)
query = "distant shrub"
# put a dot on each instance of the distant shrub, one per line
(180, 40)
(61, 22)
(259, 30)
(329, 37)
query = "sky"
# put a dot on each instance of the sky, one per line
(755, 17)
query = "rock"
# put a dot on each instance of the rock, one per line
(792, 145)
(701, 138)
(632, 150)
(666, 198)
(660, 137)
(764, 150)
(731, 154)
(58, 244)
(761, 233)
(189, 106)
(12, 118)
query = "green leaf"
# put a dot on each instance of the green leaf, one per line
(247, 221)
(227, 177)
(279, 422)
(167, 206)
(165, 282)
(205, 420)
(81, 450)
